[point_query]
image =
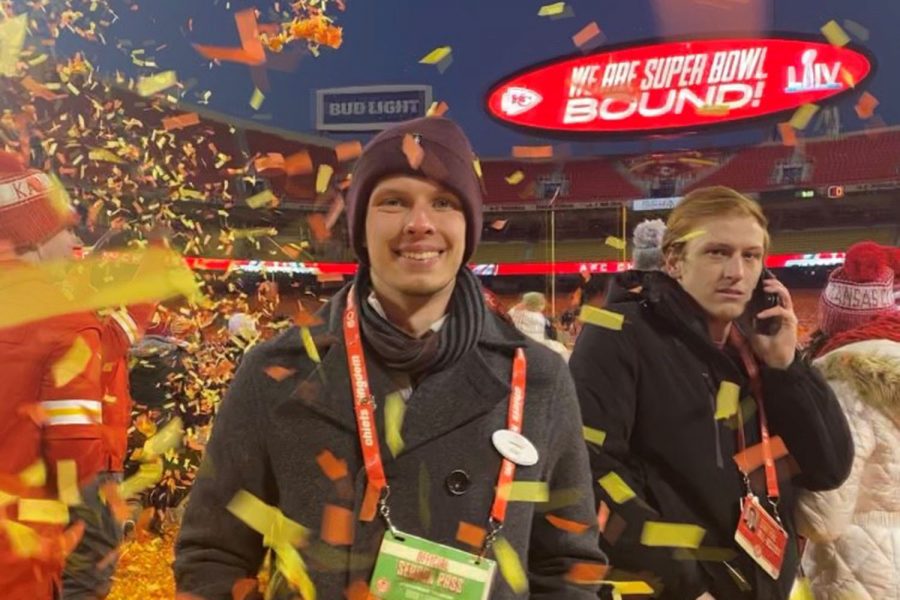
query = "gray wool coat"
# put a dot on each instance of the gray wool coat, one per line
(268, 434)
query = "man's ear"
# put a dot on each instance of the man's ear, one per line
(673, 264)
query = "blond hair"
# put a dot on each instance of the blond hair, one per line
(705, 203)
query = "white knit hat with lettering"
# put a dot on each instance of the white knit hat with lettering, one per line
(858, 291)
(30, 213)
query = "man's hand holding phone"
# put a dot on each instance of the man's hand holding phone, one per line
(779, 349)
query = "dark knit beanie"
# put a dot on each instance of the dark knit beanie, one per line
(448, 160)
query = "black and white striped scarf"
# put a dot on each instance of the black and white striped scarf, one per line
(434, 351)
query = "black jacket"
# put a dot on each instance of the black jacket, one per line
(269, 435)
(651, 387)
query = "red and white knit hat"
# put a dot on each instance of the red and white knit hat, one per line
(859, 291)
(30, 214)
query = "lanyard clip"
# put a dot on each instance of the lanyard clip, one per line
(385, 511)
(495, 527)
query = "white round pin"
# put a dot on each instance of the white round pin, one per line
(515, 447)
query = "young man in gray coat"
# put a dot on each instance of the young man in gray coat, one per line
(404, 447)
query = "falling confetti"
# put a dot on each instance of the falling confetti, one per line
(803, 115)
(437, 109)
(588, 36)
(788, 134)
(510, 566)
(12, 39)
(532, 151)
(256, 99)
(337, 525)
(413, 151)
(310, 345)
(529, 491)
(601, 317)
(471, 535)
(263, 198)
(43, 511)
(515, 178)
(673, 535)
(567, 525)
(147, 86)
(615, 242)
(549, 10)
(279, 373)
(752, 458)
(616, 488)
(348, 151)
(67, 482)
(834, 34)
(394, 410)
(436, 56)
(72, 364)
(865, 106)
(727, 400)
(594, 436)
(333, 467)
(323, 178)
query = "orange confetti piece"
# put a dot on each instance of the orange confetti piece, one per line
(414, 152)
(585, 573)
(532, 151)
(317, 227)
(180, 121)
(865, 106)
(298, 164)
(358, 590)
(242, 588)
(499, 224)
(437, 109)
(142, 525)
(751, 458)
(348, 151)
(471, 535)
(250, 52)
(567, 525)
(587, 34)
(279, 373)
(269, 165)
(602, 516)
(333, 467)
(337, 525)
(788, 134)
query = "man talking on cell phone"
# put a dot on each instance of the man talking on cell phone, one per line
(710, 422)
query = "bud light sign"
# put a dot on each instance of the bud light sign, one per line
(370, 108)
(675, 85)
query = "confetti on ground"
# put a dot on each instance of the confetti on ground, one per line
(323, 178)
(856, 29)
(43, 511)
(436, 56)
(529, 491)
(567, 525)
(803, 115)
(616, 488)
(834, 34)
(348, 151)
(594, 436)
(615, 242)
(865, 106)
(672, 535)
(337, 525)
(67, 482)
(394, 410)
(532, 151)
(180, 121)
(752, 458)
(788, 134)
(515, 178)
(471, 535)
(147, 86)
(263, 198)
(727, 400)
(333, 467)
(72, 364)
(601, 317)
(413, 151)
(588, 36)
(167, 438)
(510, 566)
(256, 99)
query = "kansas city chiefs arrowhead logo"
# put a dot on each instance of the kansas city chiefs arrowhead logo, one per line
(517, 100)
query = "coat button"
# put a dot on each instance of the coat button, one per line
(458, 482)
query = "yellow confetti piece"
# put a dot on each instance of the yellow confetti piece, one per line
(436, 55)
(148, 475)
(101, 155)
(147, 86)
(727, 400)
(168, 438)
(310, 345)
(67, 482)
(72, 364)
(35, 475)
(510, 566)
(291, 565)
(848, 78)
(691, 235)
(323, 178)
(529, 491)
(615, 242)
(803, 115)
(601, 318)
(6, 499)
(630, 588)
(477, 164)
(550, 10)
(12, 39)
(43, 511)
(594, 436)
(266, 520)
(256, 99)
(515, 178)
(835, 35)
(801, 590)
(24, 540)
(714, 110)
(616, 487)
(672, 535)
(394, 410)
(261, 199)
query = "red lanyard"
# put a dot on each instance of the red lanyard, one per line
(364, 406)
(747, 358)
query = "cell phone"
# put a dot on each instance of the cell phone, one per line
(760, 301)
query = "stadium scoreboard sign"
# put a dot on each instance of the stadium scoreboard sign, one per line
(676, 85)
(370, 108)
